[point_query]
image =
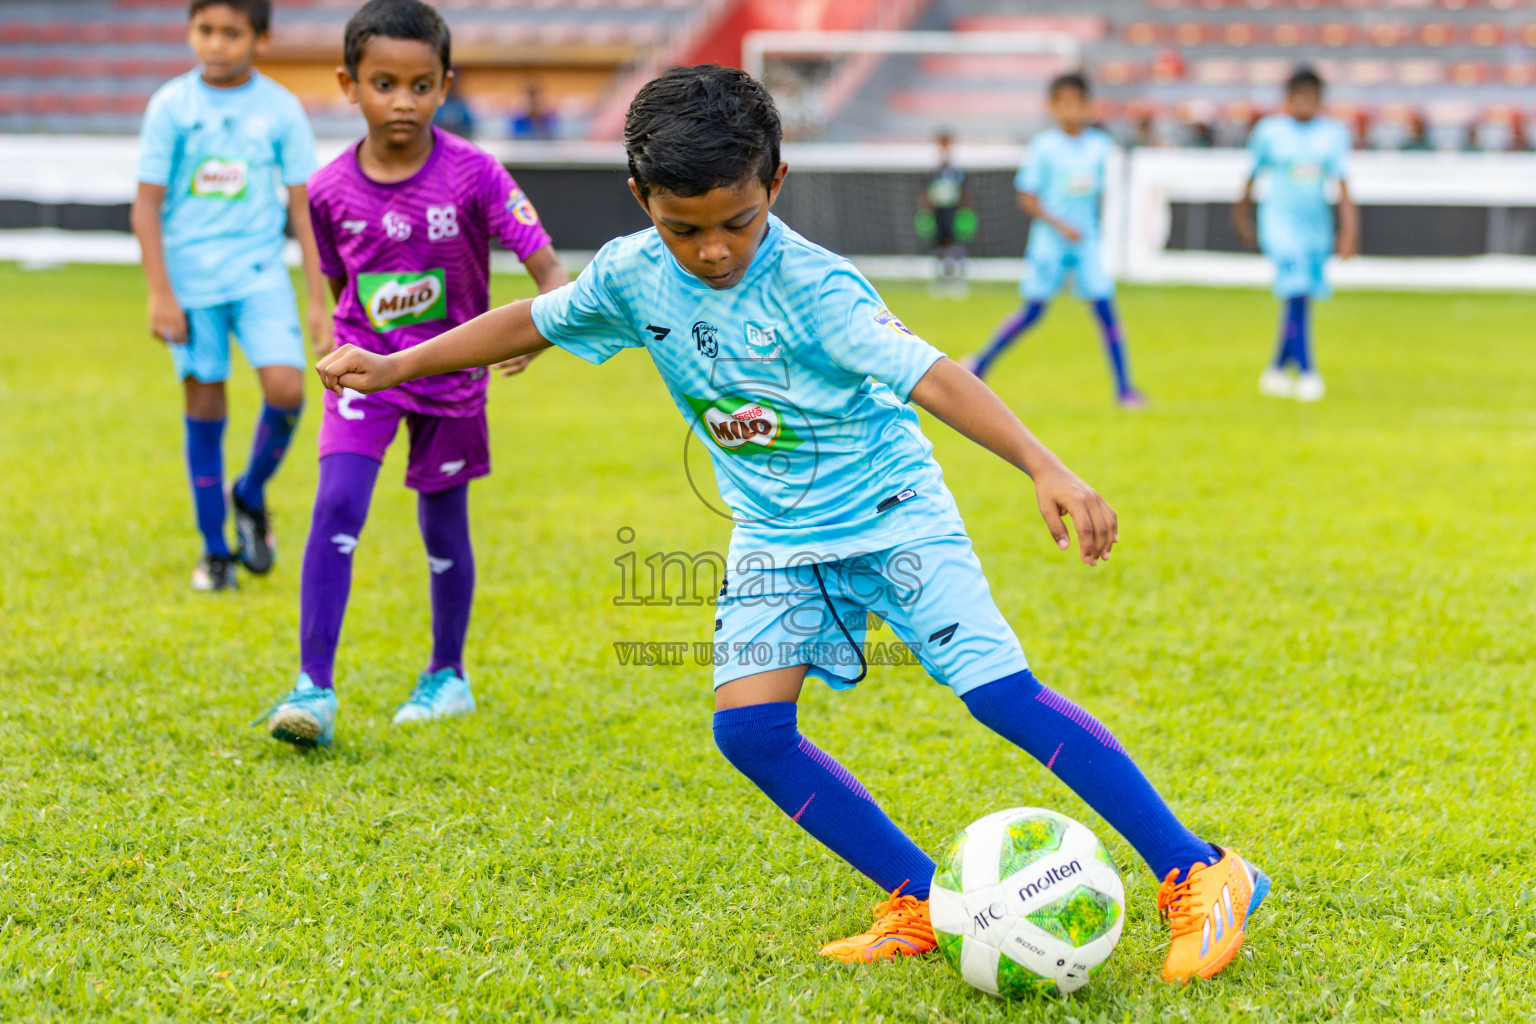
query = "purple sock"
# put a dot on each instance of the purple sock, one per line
(1007, 331)
(444, 520)
(341, 508)
(820, 796)
(205, 470)
(1114, 345)
(1083, 754)
(273, 432)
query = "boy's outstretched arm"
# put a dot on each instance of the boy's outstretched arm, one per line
(322, 332)
(548, 273)
(955, 395)
(494, 337)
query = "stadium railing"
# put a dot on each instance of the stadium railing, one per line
(1430, 220)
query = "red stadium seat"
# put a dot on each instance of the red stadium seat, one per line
(1120, 72)
(1337, 34)
(1420, 72)
(1239, 34)
(1218, 71)
(1518, 74)
(1145, 33)
(1291, 33)
(1389, 33)
(1436, 33)
(1085, 28)
(998, 66)
(1470, 72)
(1269, 71)
(1369, 71)
(1528, 34)
(1194, 33)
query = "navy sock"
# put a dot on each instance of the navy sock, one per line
(820, 796)
(273, 432)
(205, 469)
(1083, 754)
(1298, 327)
(1114, 345)
(444, 521)
(1007, 331)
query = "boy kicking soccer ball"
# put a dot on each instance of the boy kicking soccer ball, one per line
(213, 146)
(796, 378)
(1298, 153)
(404, 221)
(1061, 186)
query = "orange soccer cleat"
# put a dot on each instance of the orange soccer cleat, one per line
(1208, 913)
(901, 928)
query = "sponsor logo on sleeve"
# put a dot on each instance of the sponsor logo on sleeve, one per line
(218, 178)
(521, 209)
(744, 425)
(885, 318)
(399, 300)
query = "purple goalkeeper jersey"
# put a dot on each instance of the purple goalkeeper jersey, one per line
(416, 256)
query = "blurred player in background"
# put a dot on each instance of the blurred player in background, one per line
(946, 221)
(214, 145)
(404, 221)
(1061, 188)
(1298, 153)
(798, 379)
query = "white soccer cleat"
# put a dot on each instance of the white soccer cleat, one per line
(438, 694)
(1309, 387)
(1276, 383)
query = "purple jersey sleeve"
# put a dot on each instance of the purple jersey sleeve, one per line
(509, 214)
(325, 236)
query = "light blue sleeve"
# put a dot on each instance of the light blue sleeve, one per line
(296, 146)
(1258, 148)
(1031, 176)
(157, 142)
(1337, 165)
(864, 338)
(583, 317)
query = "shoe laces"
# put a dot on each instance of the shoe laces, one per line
(901, 914)
(428, 685)
(1178, 903)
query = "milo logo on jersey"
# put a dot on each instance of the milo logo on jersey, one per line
(399, 300)
(743, 425)
(217, 178)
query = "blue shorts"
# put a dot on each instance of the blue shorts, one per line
(1046, 269)
(932, 600)
(1299, 271)
(266, 325)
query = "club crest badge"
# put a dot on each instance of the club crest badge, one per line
(706, 338)
(763, 340)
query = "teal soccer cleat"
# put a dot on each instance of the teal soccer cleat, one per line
(437, 695)
(305, 716)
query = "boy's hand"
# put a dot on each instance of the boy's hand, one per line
(516, 365)
(1061, 492)
(167, 321)
(1348, 246)
(322, 331)
(358, 369)
(1069, 232)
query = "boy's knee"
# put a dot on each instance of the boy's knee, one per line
(751, 736)
(205, 401)
(282, 387)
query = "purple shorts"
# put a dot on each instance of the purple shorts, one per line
(446, 451)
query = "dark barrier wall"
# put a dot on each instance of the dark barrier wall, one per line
(870, 213)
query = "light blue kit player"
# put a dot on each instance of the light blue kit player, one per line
(1061, 188)
(215, 147)
(795, 378)
(1297, 155)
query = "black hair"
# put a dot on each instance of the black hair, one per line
(1303, 78)
(1071, 80)
(692, 129)
(395, 19)
(257, 12)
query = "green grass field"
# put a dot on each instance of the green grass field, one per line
(1317, 638)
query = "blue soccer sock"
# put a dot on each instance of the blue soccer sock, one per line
(1295, 335)
(205, 469)
(1114, 345)
(273, 432)
(1083, 754)
(1010, 329)
(820, 796)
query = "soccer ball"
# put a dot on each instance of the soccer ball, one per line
(1025, 901)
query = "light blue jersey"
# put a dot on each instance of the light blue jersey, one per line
(1294, 161)
(1066, 174)
(222, 155)
(795, 381)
